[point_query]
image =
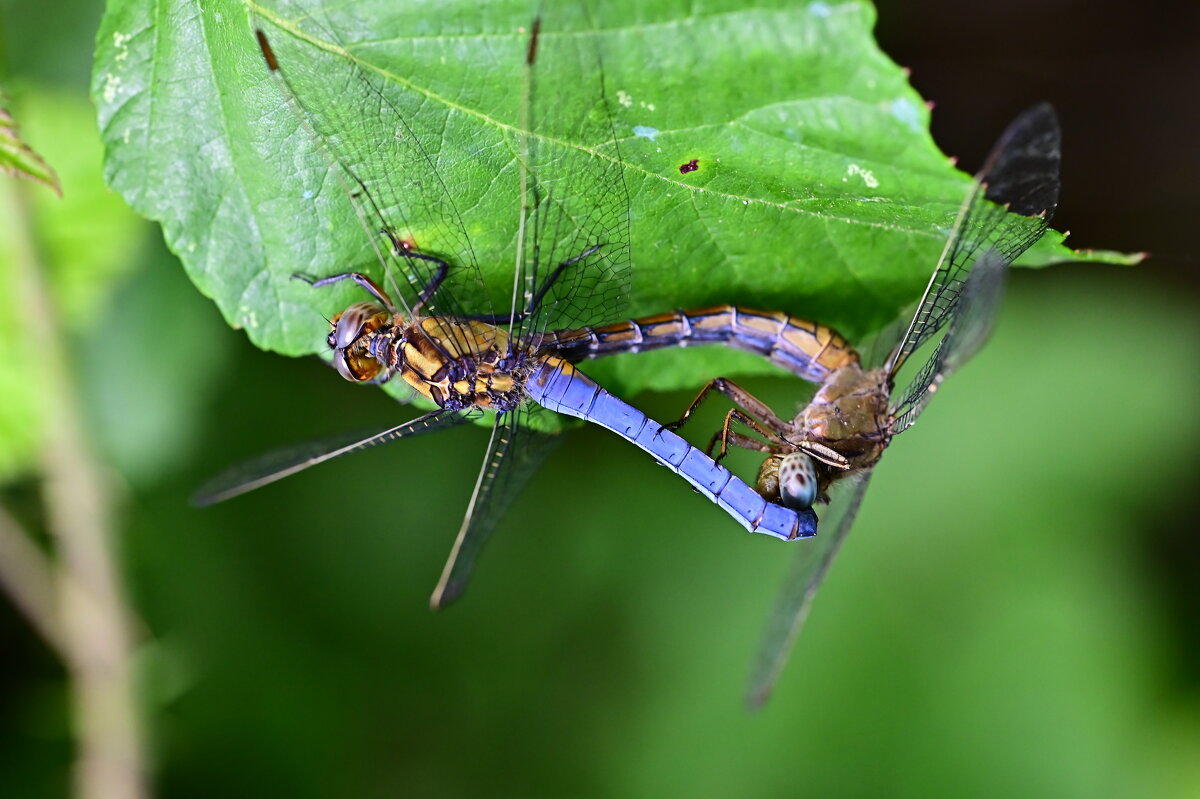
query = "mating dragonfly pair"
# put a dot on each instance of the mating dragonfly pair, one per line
(572, 269)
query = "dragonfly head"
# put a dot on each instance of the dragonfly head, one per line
(790, 480)
(350, 337)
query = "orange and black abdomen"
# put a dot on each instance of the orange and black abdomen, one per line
(806, 349)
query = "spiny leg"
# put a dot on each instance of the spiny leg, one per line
(752, 405)
(726, 435)
(493, 319)
(402, 250)
(504, 319)
(780, 443)
(375, 290)
(358, 277)
(537, 298)
(746, 442)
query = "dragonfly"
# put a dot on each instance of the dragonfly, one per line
(571, 266)
(856, 412)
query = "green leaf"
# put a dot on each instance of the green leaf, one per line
(817, 188)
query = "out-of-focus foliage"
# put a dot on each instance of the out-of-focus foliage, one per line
(19, 159)
(84, 240)
(1003, 621)
(996, 625)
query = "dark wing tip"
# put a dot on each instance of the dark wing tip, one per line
(534, 30)
(267, 52)
(1023, 169)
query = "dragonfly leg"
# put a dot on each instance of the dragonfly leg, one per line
(403, 251)
(754, 407)
(727, 435)
(358, 277)
(746, 442)
(718, 384)
(537, 298)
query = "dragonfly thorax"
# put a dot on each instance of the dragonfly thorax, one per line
(849, 414)
(454, 362)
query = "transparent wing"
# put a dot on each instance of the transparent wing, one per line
(364, 120)
(1006, 210)
(515, 451)
(969, 329)
(574, 259)
(977, 310)
(810, 564)
(876, 348)
(281, 463)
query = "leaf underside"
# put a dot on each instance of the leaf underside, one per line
(816, 189)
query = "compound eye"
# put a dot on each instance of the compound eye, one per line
(353, 368)
(343, 367)
(349, 324)
(797, 481)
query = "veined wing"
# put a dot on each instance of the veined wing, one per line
(363, 120)
(281, 463)
(515, 451)
(572, 256)
(1007, 209)
(810, 564)
(573, 263)
(969, 329)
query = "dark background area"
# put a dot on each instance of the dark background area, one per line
(1125, 80)
(1015, 614)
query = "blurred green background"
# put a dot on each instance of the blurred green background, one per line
(1014, 614)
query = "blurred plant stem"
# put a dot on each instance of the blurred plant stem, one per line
(28, 579)
(76, 599)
